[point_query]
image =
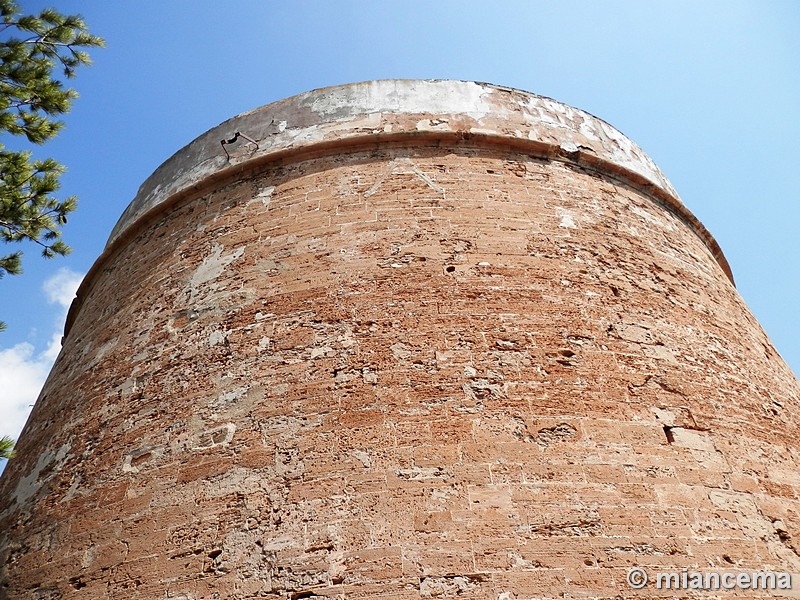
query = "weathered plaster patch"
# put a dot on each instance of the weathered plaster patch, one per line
(30, 484)
(567, 218)
(134, 461)
(212, 267)
(403, 166)
(216, 436)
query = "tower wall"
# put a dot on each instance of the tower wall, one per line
(420, 339)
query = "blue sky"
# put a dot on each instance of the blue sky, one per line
(709, 89)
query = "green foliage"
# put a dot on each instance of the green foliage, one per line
(35, 52)
(6, 447)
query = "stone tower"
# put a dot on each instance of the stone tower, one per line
(404, 339)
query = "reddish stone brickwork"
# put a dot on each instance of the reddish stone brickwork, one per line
(409, 371)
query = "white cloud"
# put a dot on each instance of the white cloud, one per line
(60, 288)
(22, 373)
(23, 367)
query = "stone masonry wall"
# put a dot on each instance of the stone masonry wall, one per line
(407, 372)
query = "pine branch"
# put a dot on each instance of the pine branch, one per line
(36, 52)
(6, 443)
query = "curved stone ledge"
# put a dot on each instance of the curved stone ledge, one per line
(373, 110)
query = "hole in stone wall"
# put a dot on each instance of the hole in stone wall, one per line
(77, 583)
(140, 459)
(668, 434)
(218, 435)
(450, 269)
(559, 433)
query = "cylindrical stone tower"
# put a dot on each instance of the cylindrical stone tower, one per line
(404, 339)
